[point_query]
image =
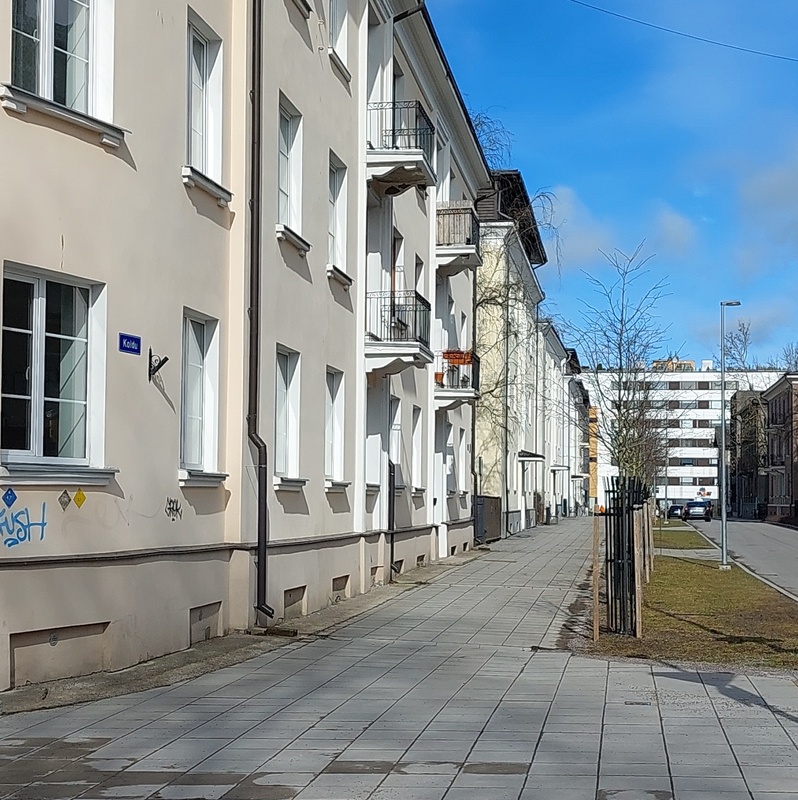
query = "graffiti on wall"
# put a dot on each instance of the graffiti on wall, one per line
(21, 527)
(173, 509)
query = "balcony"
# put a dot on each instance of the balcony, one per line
(397, 331)
(457, 237)
(456, 378)
(401, 144)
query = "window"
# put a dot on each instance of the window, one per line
(289, 168)
(199, 394)
(336, 251)
(334, 423)
(50, 50)
(686, 481)
(337, 27)
(204, 145)
(55, 53)
(416, 473)
(286, 415)
(462, 477)
(395, 442)
(451, 466)
(45, 369)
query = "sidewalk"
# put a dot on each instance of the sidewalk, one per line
(439, 694)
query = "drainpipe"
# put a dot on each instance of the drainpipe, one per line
(253, 397)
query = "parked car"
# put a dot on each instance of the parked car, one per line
(675, 511)
(697, 509)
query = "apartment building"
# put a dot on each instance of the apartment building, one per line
(781, 400)
(748, 455)
(509, 425)
(687, 402)
(237, 318)
(115, 240)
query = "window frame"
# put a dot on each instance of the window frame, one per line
(209, 438)
(338, 17)
(94, 447)
(417, 449)
(210, 160)
(291, 214)
(100, 59)
(334, 425)
(286, 459)
(336, 227)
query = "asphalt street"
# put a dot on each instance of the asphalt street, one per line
(769, 550)
(456, 690)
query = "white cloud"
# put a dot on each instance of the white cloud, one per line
(673, 234)
(582, 234)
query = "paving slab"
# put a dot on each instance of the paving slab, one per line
(453, 690)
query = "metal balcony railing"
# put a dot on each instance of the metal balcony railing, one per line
(397, 317)
(458, 225)
(457, 369)
(401, 125)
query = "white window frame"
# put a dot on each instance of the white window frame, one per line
(100, 77)
(286, 442)
(336, 237)
(209, 440)
(337, 24)
(289, 167)
(416, 460)
(462, 471)
(395, 430)
(209, 160)
(334, 425)
(94, 452)
(451, 460)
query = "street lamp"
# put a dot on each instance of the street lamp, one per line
(724, 549)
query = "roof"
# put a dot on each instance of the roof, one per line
(508, 200)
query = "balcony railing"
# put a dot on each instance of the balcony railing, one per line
(397, 317)
(457, 369)
(400, 125)
(458, 225)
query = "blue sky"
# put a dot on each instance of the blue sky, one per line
(645, 135)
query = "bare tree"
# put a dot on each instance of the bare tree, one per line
(738, 346)
(789, 357)
(618, 336)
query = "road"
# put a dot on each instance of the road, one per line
(455, 690)
(769, 550)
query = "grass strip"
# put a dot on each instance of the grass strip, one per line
(692, 611)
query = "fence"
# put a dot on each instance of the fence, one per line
(628, 556)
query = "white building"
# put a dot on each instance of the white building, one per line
(688, 401)
(237, 323)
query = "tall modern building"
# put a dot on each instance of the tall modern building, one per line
(686, 402)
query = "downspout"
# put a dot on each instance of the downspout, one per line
(474, 476)
(253, 396)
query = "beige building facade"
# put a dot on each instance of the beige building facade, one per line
(237, 318)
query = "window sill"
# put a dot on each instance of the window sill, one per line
(338, 65)
(19, 101)
(193, 177)
(285, 234)
(283, 484)
(304, 7)
(336, 487)
(191, 478)
(418, 491)
(399, 488)
(339, 276)
(372, 488)
(32, 474)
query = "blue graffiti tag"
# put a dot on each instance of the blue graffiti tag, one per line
(17, 528)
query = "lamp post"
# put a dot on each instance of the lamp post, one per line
(724, 549)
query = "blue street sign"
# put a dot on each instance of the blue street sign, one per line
(130, 344)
